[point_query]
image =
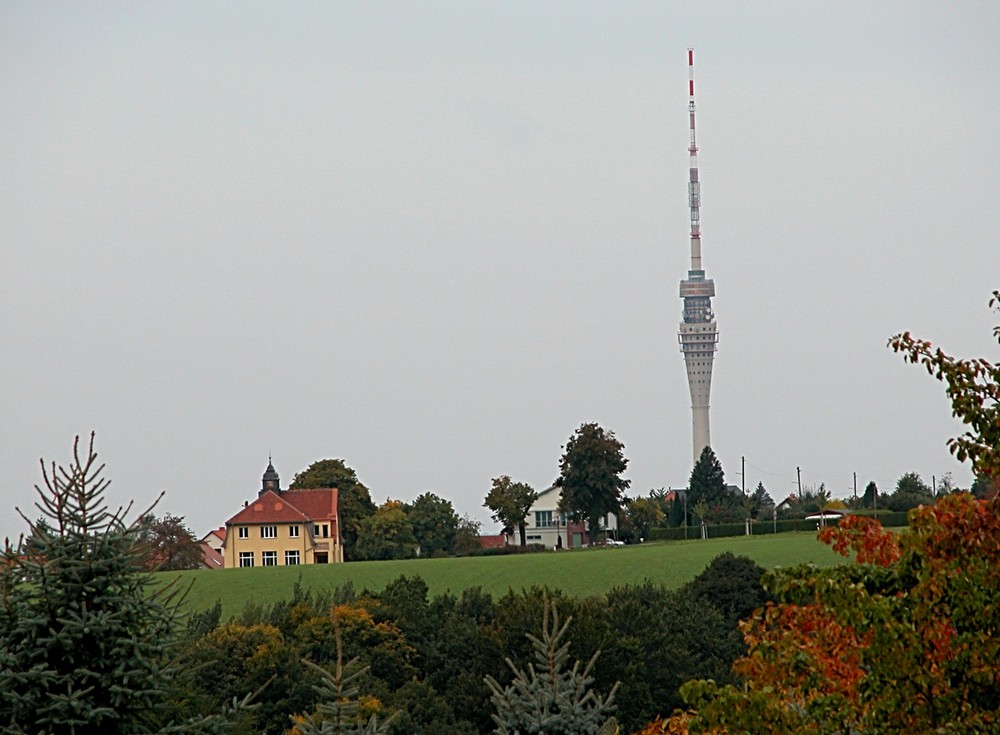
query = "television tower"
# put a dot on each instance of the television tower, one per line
(699, 335)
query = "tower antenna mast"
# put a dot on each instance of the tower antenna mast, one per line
(699, 334)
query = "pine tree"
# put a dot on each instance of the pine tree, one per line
(83, 647)
(547, 698)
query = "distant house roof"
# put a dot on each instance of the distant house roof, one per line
(492, 542)
(210, 558)
(215, 533)
(289, 506)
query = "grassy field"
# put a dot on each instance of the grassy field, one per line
(580, 573)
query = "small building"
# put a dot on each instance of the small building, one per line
(284, 527)
(495, 541)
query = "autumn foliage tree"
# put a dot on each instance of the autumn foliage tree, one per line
(903, 641)
(973, 386)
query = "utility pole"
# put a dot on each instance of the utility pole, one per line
(743, 473)
(855, 486)
(798, 474)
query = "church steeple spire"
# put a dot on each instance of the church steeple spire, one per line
(270, 481)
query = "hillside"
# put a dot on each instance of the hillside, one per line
(579, 573)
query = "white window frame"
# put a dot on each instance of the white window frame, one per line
(292, 558)
(547, 516)
(246, 558)
(243, 532)
(293, 532)
(269, 558)
(269, 532)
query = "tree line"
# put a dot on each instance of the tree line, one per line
(86, 647)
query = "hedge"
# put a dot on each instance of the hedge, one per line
(719, 530)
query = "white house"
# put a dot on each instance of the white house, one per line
(546, 525)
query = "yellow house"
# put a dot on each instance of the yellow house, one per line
(284, 528)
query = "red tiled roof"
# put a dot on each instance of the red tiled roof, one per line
(210, 558)
(290, 506)
(219, 533)
(492, 542)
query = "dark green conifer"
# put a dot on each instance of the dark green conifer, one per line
(83, 647)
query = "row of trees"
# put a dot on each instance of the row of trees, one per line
(85, 647)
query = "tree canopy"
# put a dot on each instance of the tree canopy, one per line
(510, 502)
(387, 534)
(590, 476)
(167, 544)
(434, 523)
(354, 502)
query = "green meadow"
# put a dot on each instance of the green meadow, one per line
(580, 573)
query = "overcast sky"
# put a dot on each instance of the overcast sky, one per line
(434, 238)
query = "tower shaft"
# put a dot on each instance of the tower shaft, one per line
(699, 335)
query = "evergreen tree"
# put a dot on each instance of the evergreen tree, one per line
(870, 498)
(338, 712)
(761, 502)
(708, 483)
(547, 698)
(83, 647)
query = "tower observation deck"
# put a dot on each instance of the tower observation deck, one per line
(699, 334)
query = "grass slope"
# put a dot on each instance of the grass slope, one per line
(580, 573)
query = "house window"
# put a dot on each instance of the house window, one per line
(269, 558)
(246, 558)
(244, 532)
(543, 519)
(293, 532)
(291, 558)
(322, 558)
(269, 532)
(321, 530)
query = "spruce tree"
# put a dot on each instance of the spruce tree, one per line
(707, 483)
(338, 712)
(83, 647)
(548, 698)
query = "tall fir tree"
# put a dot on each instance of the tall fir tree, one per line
(707, 484)
(84, 647)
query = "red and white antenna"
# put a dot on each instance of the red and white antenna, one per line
(694, 185)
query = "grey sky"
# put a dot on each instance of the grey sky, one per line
(434, 238)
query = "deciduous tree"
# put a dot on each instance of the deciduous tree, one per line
(974, 389)
(510, 502)
(387, 534)
(353, 499)
(434, 524)
(167, 544)
(590, 476)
